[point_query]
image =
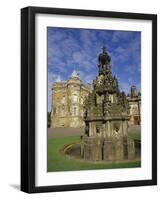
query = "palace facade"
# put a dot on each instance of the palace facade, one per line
(68, 102)
(134, 100)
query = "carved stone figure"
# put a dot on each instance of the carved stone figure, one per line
(103, 60)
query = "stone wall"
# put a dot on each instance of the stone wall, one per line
(107, 149)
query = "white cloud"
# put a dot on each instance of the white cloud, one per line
(130, 69)
(56, 36)
(86, 78)
(78, 57)
(122, 35)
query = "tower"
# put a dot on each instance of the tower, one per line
(134, 92)
(73, 94)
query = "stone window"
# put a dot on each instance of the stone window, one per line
(134, 110)
(97, 129)
(82, 101)
(63, 111)
(111, 98)
(63, 100)
(82, 112)
(75, 98)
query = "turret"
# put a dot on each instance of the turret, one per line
(134, 92)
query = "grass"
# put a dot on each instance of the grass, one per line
(135, 136)
(59, 162)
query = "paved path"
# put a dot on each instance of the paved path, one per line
(55, 132)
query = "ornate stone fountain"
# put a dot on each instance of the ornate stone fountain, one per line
(106, 118)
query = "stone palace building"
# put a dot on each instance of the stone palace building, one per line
(134, 100)
(67, 102)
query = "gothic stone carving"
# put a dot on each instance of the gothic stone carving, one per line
(106, 118)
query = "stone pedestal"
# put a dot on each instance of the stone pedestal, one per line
(113, 149)
(87, 148)
(92, 148)
(108, 150)
(119, 149)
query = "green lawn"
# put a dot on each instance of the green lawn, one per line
(135, 136)
(59, 162)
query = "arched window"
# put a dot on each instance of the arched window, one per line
(75, 98)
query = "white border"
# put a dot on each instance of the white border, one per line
(91, 176)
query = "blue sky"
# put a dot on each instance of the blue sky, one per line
(77, 49)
